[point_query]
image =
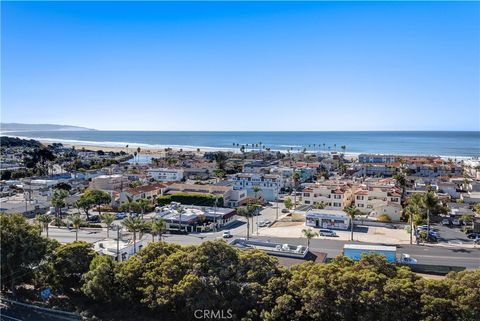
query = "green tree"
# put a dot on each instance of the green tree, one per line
(242, 211)
(296, 183)
(134, 225)
(144, 205)
(351, 212)
(429, 203)
(44, 221)
(319, 206)
(58, 199)
(309, 234)
(22, 249)
(158, 227)
(68, 264)
(99, 282)
(76, 221)
(108, 219)
(288, 203)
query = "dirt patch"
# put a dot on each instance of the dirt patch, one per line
(284, 224)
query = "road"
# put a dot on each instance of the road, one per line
(445, 253)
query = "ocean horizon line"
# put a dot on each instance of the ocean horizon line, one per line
(186, 147)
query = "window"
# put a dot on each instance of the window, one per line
(360, 205)
(307, 202)
(306, 194)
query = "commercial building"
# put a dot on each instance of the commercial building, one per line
(323, 218)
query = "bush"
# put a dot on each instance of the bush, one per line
(384, 218)
(190, 199)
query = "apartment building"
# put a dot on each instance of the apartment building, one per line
(269, 184)
(376, 158)
(109, 182)
(334, 195)
(166, 174)
(379, 200)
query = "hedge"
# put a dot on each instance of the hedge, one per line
(190, 199)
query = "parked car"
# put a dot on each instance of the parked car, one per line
(456, 222)
(473, 236)
(94, 219)
(327, 232)
(477, 240)
(446, 222)
(121, 216)
(227, 234)
(263, 223)
(407, 259)
(285, 210)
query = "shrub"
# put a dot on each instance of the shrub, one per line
(190, 199)
(384, 218)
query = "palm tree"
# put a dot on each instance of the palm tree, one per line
(108, 219)
(126, 148)
(402, 182)
(251, 209)
(410, 211)
(76, 223)
(143, 203)
(180, 212)
(296, 182)
(57, 221)
(158, 227)
(134, 225)
(351, 212)
(429, 202)
(58, 199)
(319, 206)
(309, 234)
(44, 220)
(242, 211)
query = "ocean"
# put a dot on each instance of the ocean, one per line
(438, 143)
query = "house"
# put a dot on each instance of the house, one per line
(323, 218)
(334, 195)
(470, 197)
(393, 210)
(269, 184)
(118, 250)
(148, 192)
(166, 174)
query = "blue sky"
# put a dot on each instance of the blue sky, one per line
(242, 66)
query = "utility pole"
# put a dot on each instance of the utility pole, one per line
(215, 214)
(277, 202)
(118, 243)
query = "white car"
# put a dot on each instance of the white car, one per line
(407, 259)
(227, 234)
(456, 222)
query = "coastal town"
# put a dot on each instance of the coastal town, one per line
(121, 199)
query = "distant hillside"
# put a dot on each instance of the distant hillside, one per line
(16, 127)
(17, 142)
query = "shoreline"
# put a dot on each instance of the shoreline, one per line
(159, 150)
